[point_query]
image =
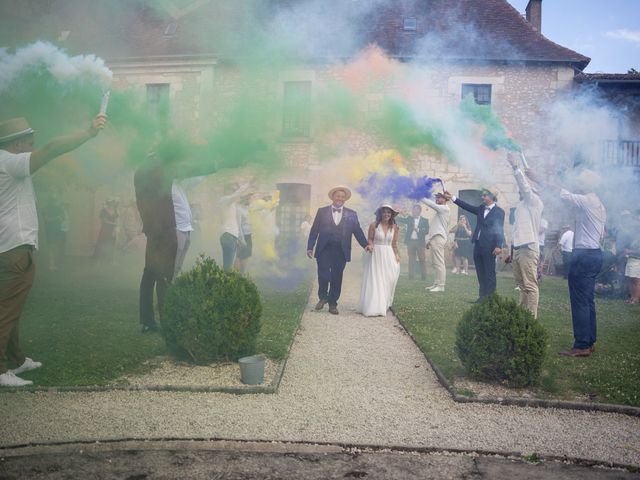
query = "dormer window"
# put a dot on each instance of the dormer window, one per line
(409, 24)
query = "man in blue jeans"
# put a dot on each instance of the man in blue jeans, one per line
(586, 259)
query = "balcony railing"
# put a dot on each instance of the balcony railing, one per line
(625, 153)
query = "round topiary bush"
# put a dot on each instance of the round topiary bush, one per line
(210, 314)
(499, 341)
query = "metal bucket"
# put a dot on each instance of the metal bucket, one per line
(252, 370)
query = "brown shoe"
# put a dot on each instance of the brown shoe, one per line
(333, 309)
(320, 305)
(576, 352)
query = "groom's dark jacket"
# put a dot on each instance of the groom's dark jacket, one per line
(489, 232)
(324, 231)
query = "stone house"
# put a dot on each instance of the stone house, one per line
(485, 48)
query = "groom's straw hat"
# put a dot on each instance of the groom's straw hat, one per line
(14, 128)
(340, 187)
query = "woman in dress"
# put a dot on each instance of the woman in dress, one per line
(382, 266)
(105, 245)
(632, 272)
(461, 246)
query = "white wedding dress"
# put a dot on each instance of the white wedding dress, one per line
(381, 272)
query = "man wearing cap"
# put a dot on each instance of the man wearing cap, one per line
(525, 240)
(487, 238)
(437, 240)
(586, 258)
(331, 233)
(19, 230)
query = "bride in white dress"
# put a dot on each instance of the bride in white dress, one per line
(381, 266)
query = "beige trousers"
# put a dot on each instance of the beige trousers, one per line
(17, 272)
(525, 273)
(436, 255)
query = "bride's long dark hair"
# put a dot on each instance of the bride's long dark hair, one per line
(392, 220)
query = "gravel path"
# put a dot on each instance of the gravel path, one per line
(349, 379)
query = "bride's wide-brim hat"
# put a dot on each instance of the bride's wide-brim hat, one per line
(346, 191)
(390, 207)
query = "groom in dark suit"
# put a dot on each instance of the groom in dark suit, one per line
(331, 235)
(487, 239)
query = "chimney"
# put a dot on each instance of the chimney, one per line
(534, 14)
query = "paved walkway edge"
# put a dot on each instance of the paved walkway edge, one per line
(517, 401)
(283, 447)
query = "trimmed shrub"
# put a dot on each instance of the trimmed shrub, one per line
(499, 341)
(211, 315)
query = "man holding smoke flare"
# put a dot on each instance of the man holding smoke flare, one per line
(525, 236)
(19, 230)
(586, 258)
(487, 238)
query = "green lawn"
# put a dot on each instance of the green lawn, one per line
(611, 375)
(82, 323)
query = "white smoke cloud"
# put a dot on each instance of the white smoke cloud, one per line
(63, 67)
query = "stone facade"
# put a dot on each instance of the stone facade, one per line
(200, 91)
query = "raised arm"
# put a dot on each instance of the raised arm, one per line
(430, 203)
(461, 203)
(61, 145)
(524, 187)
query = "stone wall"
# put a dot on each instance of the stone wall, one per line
(201, 91)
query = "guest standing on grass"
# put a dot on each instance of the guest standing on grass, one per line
(231, 232)
(586, 258)
(245, 240)
(461, 246)
(184, 219)
(415, 240)
(19, 230)
(565, 244)
(487, 239)
(105, 248)
(525, 240)
(437, 240)
(153, 183)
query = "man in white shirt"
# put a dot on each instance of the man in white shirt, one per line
(184, 220)
(19, 230)
(565, 244)
(586, 260)
(437, 239)
(231, 230)
(525, 238)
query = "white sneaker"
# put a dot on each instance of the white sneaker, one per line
(464, 272)
(9, 379)
(437, 288)
(517, 288)
(455, 270)
(431, 287)
(26, 366)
